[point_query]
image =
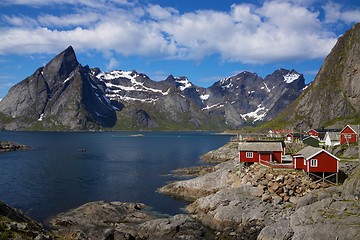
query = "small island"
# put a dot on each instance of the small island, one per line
(6, 146)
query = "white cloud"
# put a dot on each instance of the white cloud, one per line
(19, 21)
(85, 19)
(278, 30)
(335, 13)
(89, 3)
(158, 12)
(113, 63)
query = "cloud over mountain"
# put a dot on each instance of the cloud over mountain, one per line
(245, 33)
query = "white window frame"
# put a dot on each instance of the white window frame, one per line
(249, 154)
(313, 162)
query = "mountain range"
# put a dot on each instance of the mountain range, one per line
(64, 95)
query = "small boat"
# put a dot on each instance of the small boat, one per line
(137, 135)
(82, 149)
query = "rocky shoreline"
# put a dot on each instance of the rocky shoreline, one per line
(257, 202)
(228, 201)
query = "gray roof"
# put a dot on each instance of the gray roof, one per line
(309, 151)
(355, 128)
(260, 146)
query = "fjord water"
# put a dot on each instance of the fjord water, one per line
(54, 176)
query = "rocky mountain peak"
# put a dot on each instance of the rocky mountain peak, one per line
(60, 67)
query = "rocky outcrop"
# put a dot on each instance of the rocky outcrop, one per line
(323, 214)
(118, 220)
(203, 185)
(224, 153)
(235, 214)
(273, 186)
(15, 225)
(10, 146)
(255, 198)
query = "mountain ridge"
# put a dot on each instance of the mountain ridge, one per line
(65, 95)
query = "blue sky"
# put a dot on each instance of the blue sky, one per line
(204, 40)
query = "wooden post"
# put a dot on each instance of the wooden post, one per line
(323, 178)
(337, 178)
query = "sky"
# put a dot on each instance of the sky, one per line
(204, 40)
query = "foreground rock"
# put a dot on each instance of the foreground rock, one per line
(117, 220)
(332, 213)
(203, 185)
(15, 225)
(9, 146)
(236, 214)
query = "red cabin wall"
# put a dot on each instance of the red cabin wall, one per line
(347, 130)
(265, 156)
(243, 157)
(298, 162)
(277, 156)
(326, 163)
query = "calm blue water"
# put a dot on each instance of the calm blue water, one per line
(54, 176)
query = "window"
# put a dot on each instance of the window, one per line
(313, 163)
(249, 154)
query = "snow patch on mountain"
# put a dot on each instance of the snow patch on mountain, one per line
(131, 99)
(290, 77)
(114, 90)
(267, 88)
(256, 115)
(185, 82)
(41, 117)
(117, 74)
(204, 97)
(217, 105)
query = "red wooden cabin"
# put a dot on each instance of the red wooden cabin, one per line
(256, 151)
(349, 134)
(313, 160)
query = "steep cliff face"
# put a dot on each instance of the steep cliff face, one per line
(335, 92)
